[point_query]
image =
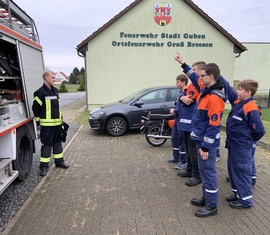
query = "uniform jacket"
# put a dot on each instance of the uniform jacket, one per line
(205, 126)
(244, 125)
(186, 111)
(46, 106)
(177, 106)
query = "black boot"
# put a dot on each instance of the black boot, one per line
(206, 211)
(43, 172)
(62, 165)
(184, 174)
(193, 181)
(198, 202)
(231, 198)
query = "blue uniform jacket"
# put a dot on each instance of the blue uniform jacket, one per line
(187, 111)
(244, 125)
(207, 115)
(177, 107)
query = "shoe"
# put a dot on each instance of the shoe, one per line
(238, 205)
(198, 202)
(231, 198)
(172, 161)
(228, 179)
(184, 174)
(62, 165)
(43, 172)
(180, 166)
(217, 159)
(193, 181)
(206, 211)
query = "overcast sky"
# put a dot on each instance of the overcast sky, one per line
(63, 24)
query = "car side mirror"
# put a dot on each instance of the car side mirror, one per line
(139, 103)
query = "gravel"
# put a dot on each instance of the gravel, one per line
(12, 199)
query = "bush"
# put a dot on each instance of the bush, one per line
(63, 88)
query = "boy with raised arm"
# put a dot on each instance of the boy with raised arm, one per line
(205, 131)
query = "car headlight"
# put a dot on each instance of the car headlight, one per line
(97, 114)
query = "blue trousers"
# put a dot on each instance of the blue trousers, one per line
(254, 173)
(208, 174)
(178, 150)
(240, 172)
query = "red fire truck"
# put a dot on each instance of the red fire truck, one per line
(21, 67)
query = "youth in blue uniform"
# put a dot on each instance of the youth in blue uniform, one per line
(179, 154)
(243, 128)
(188, 105)
(205, 130)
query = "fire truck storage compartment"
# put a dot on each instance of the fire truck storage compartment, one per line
(12, 106)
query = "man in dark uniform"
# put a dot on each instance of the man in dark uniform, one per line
(48, 116)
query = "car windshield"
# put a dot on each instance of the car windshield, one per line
(133, 96)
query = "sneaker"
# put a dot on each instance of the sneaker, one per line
(180, 166)
(217, 159)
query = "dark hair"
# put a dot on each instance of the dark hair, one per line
(199, 64)
(182, 78)
(249, 85)
(213, 69)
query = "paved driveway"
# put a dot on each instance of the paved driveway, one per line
(124, 186)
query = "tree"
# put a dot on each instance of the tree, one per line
(82, 82)
(72, 78)
(76, 71)
(82, 71)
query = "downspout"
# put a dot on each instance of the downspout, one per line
(85, 77)
(239, 54)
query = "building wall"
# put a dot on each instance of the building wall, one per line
(114, 72)
(254, 64)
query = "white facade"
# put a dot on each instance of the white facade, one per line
(135, 52)
(254, 64)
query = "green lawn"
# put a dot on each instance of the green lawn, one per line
(82, 118)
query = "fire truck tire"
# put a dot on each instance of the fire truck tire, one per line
(24, 158)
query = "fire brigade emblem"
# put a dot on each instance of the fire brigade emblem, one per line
(163, 13)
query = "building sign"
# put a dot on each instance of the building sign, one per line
(163, 13)
(162, 40)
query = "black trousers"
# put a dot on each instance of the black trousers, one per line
(192, 158)
(49, 137)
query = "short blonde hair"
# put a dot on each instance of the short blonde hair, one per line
(47, 73)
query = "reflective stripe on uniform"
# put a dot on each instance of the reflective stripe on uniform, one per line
(237, 118)
(58, 156)
(211, 191)
(246, 198)
(45, 159)
(38, 100)
(187, 121)
(208, 140)
(48, 109)
(50, 122)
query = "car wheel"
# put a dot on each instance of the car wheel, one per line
(116, 126)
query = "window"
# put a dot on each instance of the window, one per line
(173, 93)
(154, 97)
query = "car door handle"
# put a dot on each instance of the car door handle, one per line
(163, 106)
